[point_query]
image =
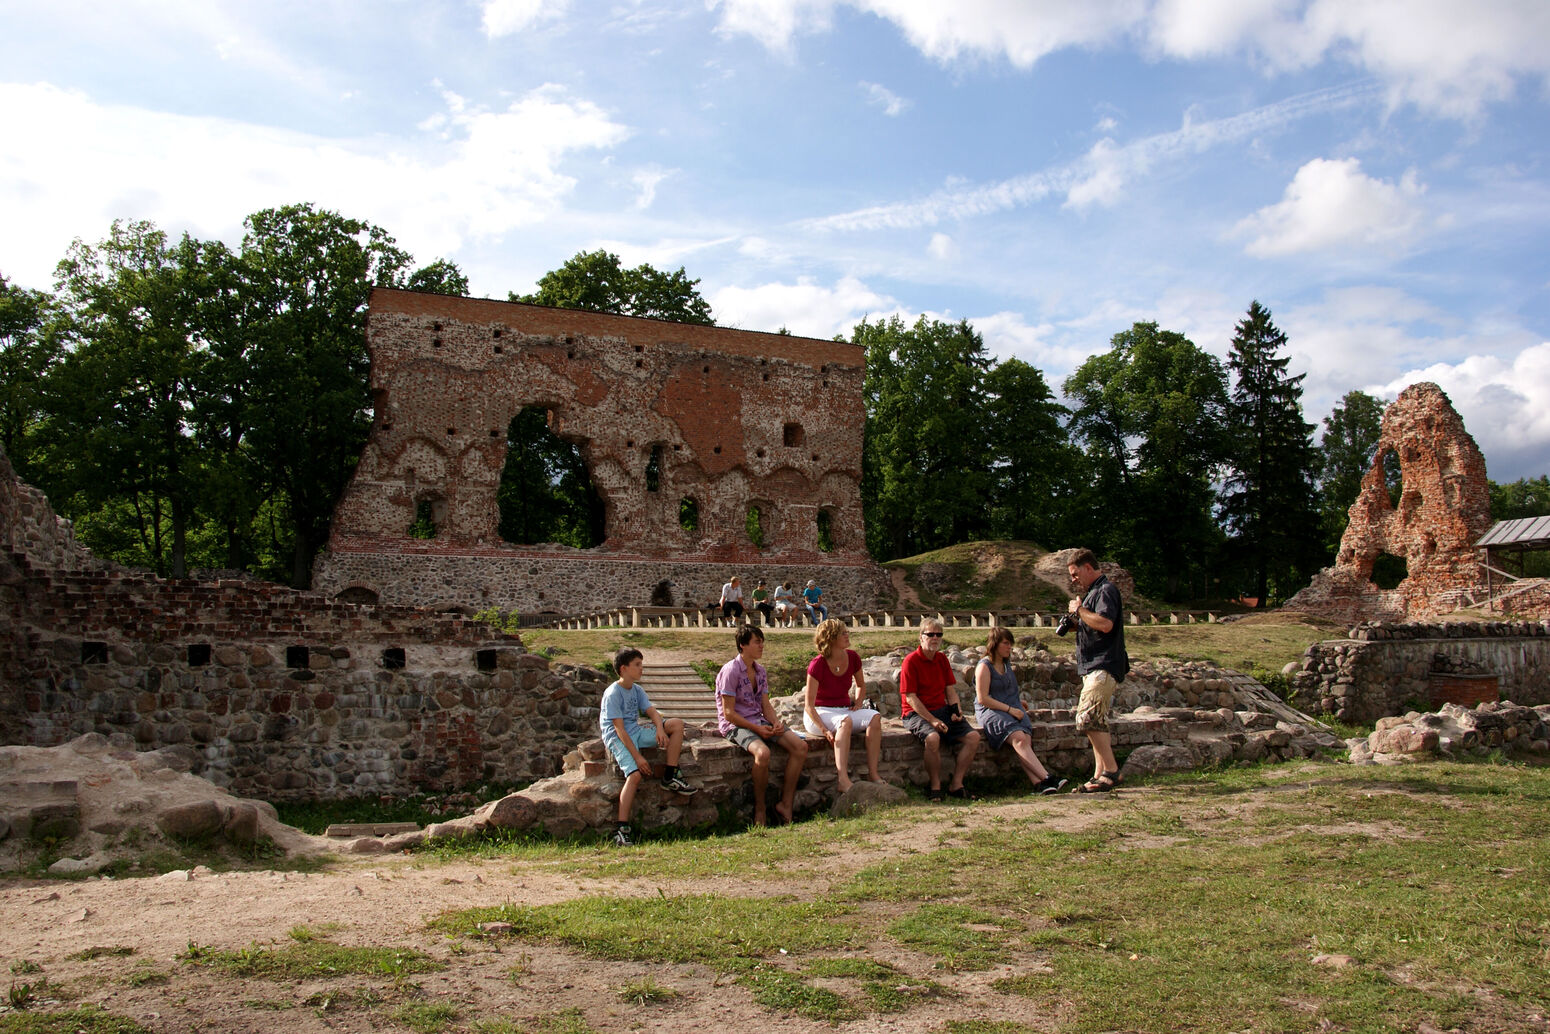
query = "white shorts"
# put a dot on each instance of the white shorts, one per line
(860, 718)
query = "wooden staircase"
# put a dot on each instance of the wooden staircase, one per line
(678, 692)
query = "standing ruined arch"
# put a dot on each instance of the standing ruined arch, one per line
(1415, 555)
(681, 428)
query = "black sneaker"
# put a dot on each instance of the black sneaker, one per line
(1050, 785)
(677, 784)
(622, 837)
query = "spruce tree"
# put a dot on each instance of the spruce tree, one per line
(1268, 503)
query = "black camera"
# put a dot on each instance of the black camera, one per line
(1064, 625)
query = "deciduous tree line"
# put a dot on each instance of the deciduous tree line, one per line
(188, 404)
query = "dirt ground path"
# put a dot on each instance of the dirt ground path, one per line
(388, 902)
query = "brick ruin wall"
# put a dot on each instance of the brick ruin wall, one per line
(731, 419)
(1444, 508)
(1386, 669)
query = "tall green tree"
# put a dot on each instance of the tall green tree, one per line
(27, 353)
(546, 493)
(1268, 500)
(1151, 416)
(925, 482)
(120, 434)
(306, 274)
(595, 280)
(439, 277)
(1031, 458)
(1345, 454)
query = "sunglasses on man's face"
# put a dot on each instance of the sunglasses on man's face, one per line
(932, 635)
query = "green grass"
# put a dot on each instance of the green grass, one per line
(781, 991)
(646, 991)
(426, 1017)
(710, 929)
(423, 809)
(959, 937)
(86, 1020)
(566, 1021)
(311, 959)
(87, 954)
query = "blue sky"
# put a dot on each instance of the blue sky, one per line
(1376, 172)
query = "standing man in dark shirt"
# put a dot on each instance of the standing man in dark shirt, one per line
(1101, 661)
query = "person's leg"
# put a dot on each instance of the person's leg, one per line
(761, 779)
(842, 730)
(796, 757)
(874, 747)
(1022, 746)
(627, 795)
(1103, 753)
(966, 752)
(933, 752)
(675, 739)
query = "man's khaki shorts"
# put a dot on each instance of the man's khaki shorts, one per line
(1092, 708)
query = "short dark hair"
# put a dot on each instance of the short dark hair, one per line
(1083, 556)
(747, 634)
(628, 655)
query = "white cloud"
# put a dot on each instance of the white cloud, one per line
(505, 17)
(1333, 204)
(1098, 177)
(805, 307)
(1505, 403)
(1044, 345)
(646, 180)
(1440, 55)
(881, 97)
(772, 22)
(481, 174)
(942, 248)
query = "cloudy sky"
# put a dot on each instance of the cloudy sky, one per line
(1376, 172)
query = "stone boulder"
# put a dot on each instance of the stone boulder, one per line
(191, 821)
(1153, 759)
(866, 796)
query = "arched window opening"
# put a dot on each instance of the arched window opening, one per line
(689, 514)
(654, 469)
(825, 532)
(1392, 477)
(546, 492)
(753, 523)
(1389, 570)
(424, 526)
(662, 595)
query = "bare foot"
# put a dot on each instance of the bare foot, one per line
(844, 786)
(873, 777)
(784, 811)
(760, 818)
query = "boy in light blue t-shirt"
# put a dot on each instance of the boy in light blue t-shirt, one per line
(625, 737)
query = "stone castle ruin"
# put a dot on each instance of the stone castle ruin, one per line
(1444, 508)
(669, 418)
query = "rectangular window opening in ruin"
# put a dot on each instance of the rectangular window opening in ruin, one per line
(198, 655)
(297, 657)
(792, 436)
(94, 653)
(393, 658)
(484, 660)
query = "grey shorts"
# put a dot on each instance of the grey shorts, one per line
(746, 738)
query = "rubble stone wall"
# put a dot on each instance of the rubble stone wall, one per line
(728, 418)
(1386, 670)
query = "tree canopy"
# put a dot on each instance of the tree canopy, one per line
(595, 280)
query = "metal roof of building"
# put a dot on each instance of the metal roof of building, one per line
(1526, 532)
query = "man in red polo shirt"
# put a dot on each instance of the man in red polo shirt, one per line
(930, 704)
